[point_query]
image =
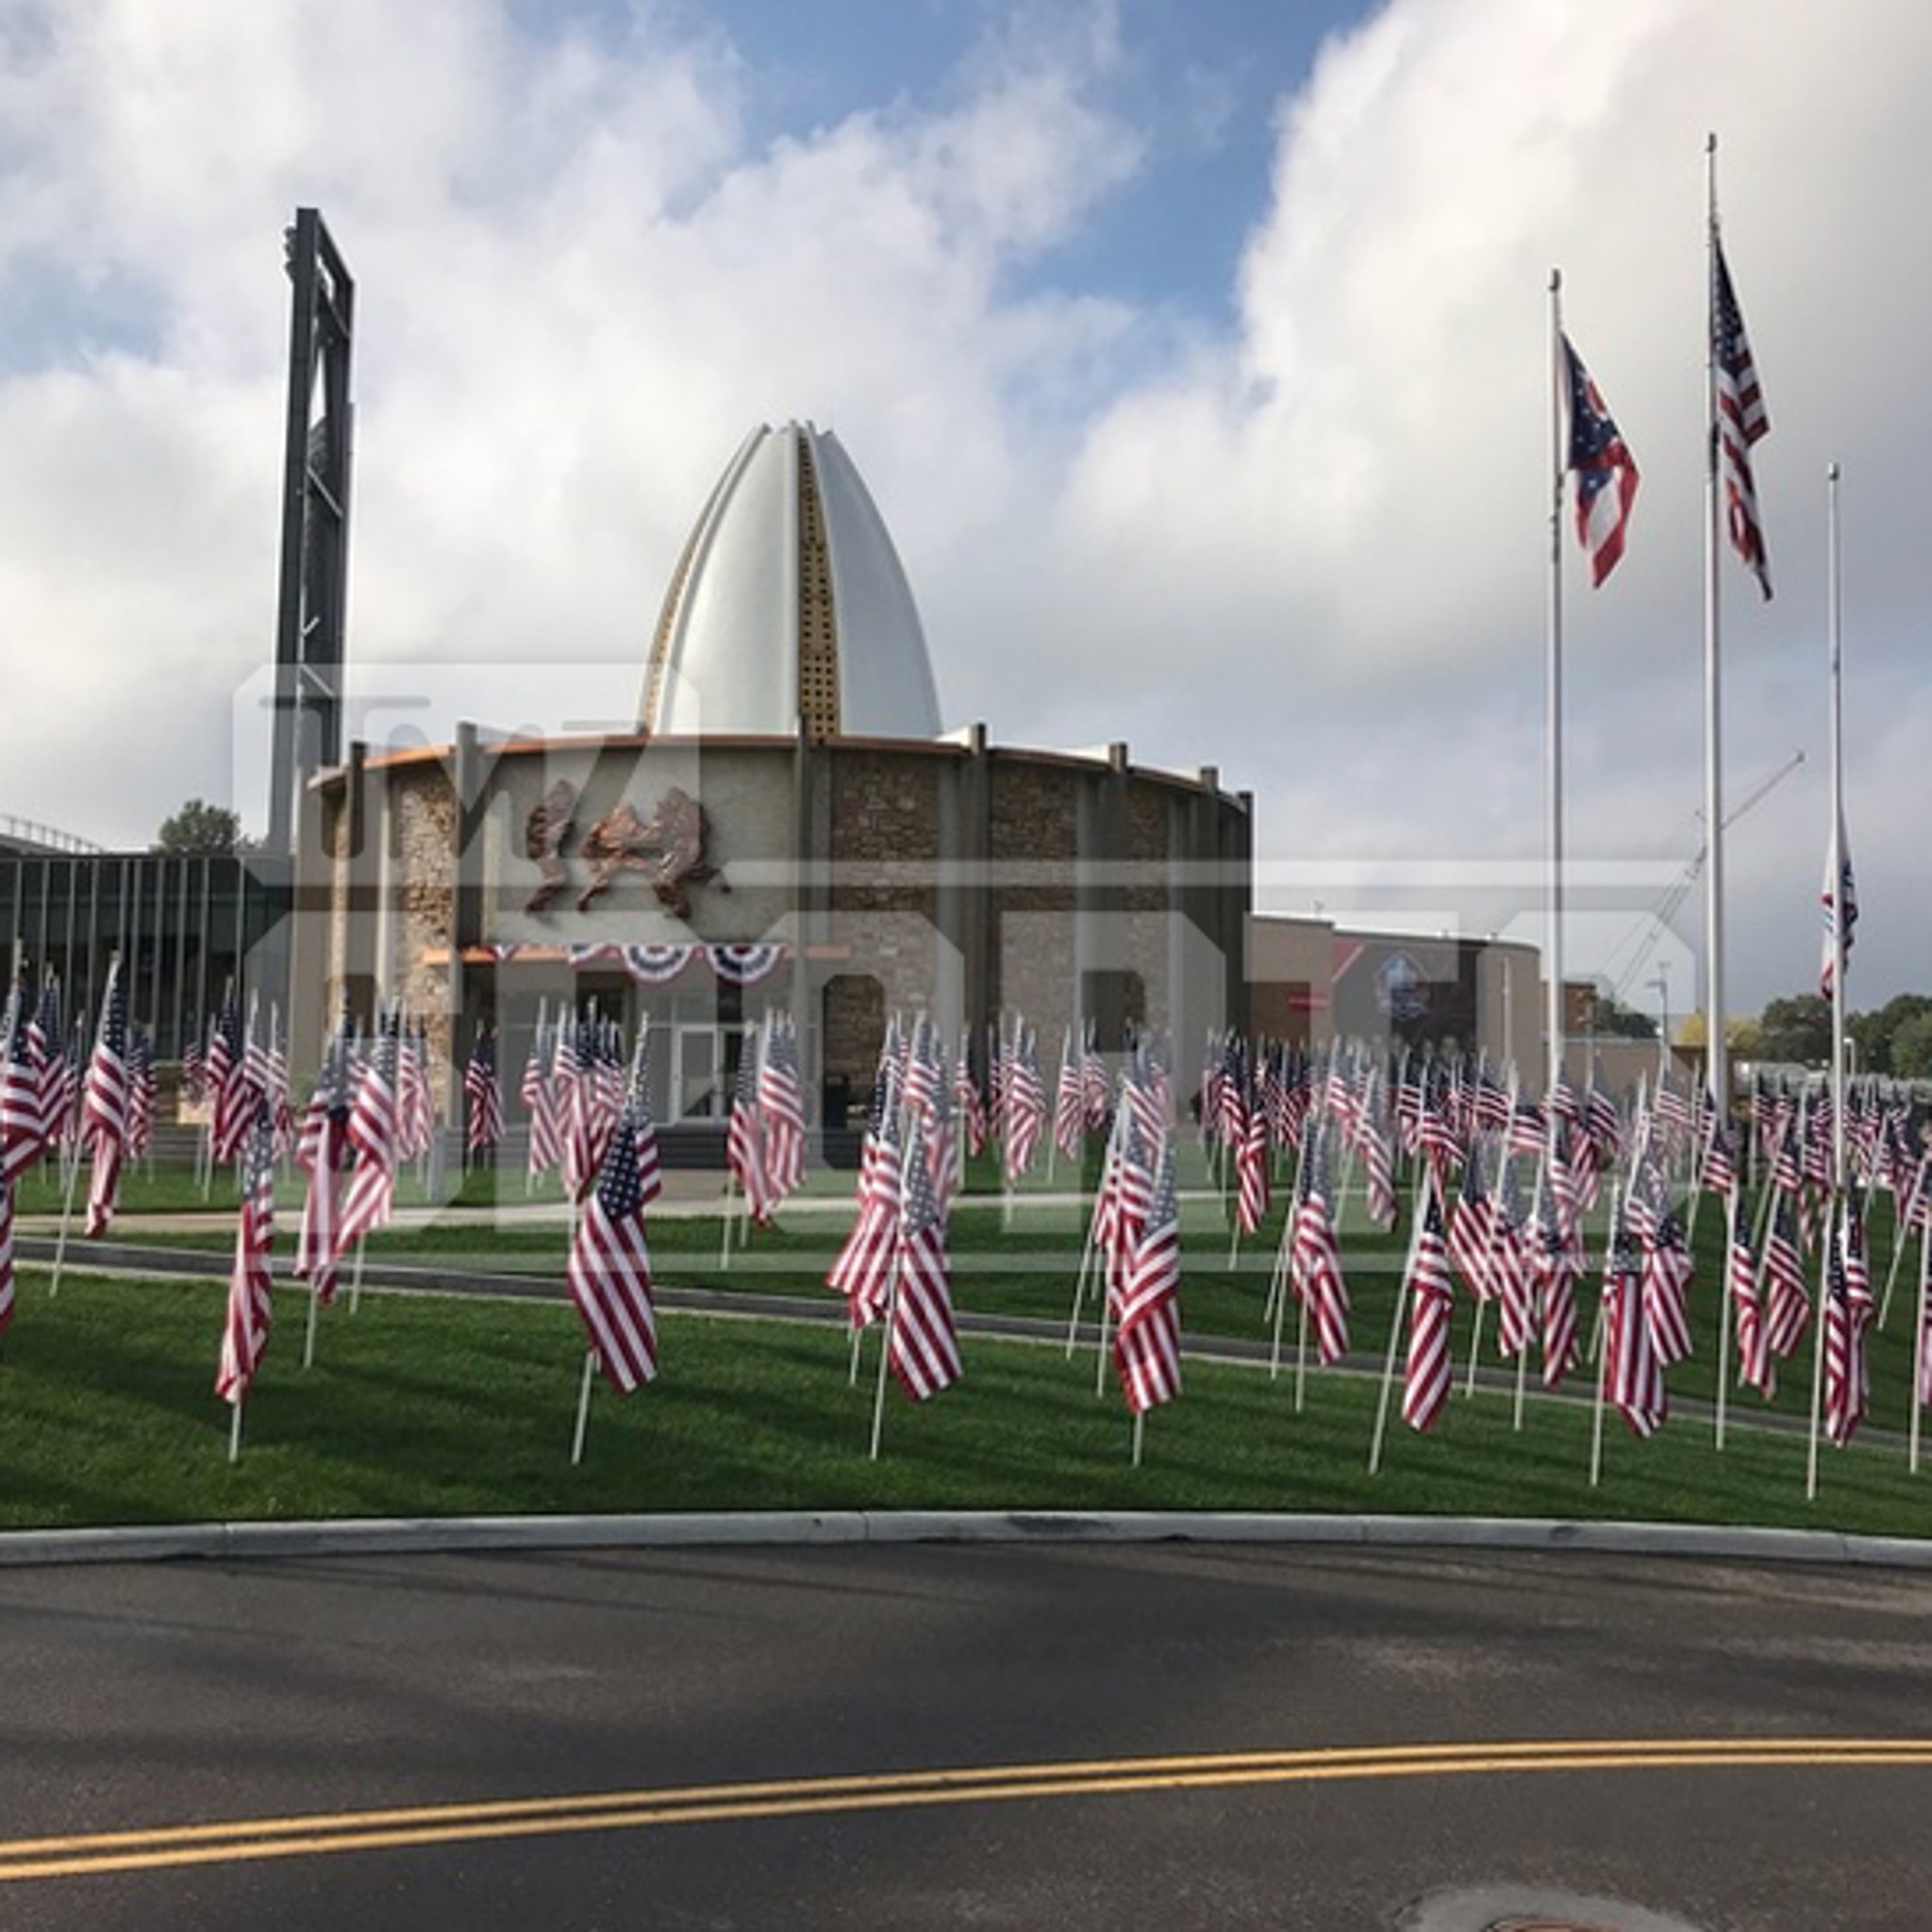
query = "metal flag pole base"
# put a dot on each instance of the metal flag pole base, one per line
(355, 1275)
(857, 1341)
(66, 1218)
(576, 1440)
(235, 1434)
(308, 1334)
(1140, 1434)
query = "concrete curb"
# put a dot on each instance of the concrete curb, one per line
(410, 1535)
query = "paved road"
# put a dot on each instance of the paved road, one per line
(743, 1738)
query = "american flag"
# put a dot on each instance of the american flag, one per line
(5, 1253)
(1667, 1271)
(576, 1093)
(637, 1103)
(1251, 1160)
(227, 1079)
(1755, 1370)
(1633, 1377)
(1741, 416)
(1847, 896)
(862, 1271)
(538, 1092)
(194, 1069)
(53, 1069)
(21, 1131)
(781, 1107)
(321, 1150)
(1120, 1203)
(1024, 1116)
(1513, 1271)
(609, 1269)
(1847, 1315)
(1473, 1228)
(1147, 1095)
(105, 1104)
(416, 1104)
(1069, 1113)
(1147, 1340)
(1922, 1382)
(1606, 472)
(1315, 1256)
(1096, 1087)
(744, 1137)
(920, 1087)
(281, 1110)
(251, 1301)
(1378, 1166)
(1787, 1308)
(920, 1345)
(966, 1101)
(1559, 1268)
(1431, 1300)
(141, 1091)
(1720, 1172)
(373, 1136)
(483, 1091)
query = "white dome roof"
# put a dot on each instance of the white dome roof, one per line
(790, 600)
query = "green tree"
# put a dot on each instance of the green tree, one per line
(1796, 1032)
(1877, 1034)
(1911, 1046)
(1621, 1022)
(198, 828)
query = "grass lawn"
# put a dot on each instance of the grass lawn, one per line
(420, 1405)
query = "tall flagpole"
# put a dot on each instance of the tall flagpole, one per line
(1716, 1070)
(1837, 874)
(1553, 941)
(1717, 1067)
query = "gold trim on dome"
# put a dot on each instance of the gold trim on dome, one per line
(659, 661)
(818, 620)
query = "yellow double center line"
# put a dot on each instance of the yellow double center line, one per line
(317, 1834)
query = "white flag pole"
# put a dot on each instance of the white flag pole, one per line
(1717, 1068)
(583, 1422)
(1553, 698)
(1835, 871)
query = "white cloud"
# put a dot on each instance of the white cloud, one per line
(1313, 553)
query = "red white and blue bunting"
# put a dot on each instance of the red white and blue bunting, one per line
(734, 963)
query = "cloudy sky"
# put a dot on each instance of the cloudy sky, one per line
(1195, 352)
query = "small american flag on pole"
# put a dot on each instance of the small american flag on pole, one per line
(484, 1092)
(251, 1303)
(105, 1104)
(609, 1269)
(1426, 1384)
(1147, 1342)
(921, 1346)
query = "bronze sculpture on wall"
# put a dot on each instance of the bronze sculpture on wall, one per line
(668, 848)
